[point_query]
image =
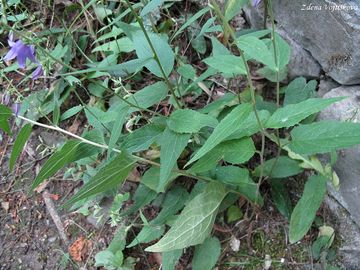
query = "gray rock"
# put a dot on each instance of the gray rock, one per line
(349, 233)
(301, 62)
(325, 85)
(348, 164)
(331, 36)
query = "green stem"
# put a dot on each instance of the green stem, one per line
(250, 83)
(155, 55)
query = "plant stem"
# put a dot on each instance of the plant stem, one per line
(155, 55)
(252, 91)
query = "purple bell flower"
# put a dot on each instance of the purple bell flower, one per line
(21, 52)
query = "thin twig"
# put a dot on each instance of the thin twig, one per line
(55, 216)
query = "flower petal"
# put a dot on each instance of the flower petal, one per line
(11, 54)
(37, 72)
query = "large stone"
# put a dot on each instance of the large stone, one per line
(329, 30)
(348, 164)
(302, 63)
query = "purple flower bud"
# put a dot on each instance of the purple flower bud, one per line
(5, 99)
(255, 3)
(37, 72)
(16, 108)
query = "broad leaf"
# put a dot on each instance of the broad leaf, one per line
(151, 178)
(142, 138)
(228, 64)
(256, 49)
(305, 210)
(172, 144)
(149, 95)
(284, 167)
(123, 44)
(173, 202)
(324, 136)
(147, 234)
(298, 90)
(189, 121)
(170, 259)
(162, 49)
(281, 198)
(70, 152)
(250, 126)
(107, 178)
(227, 126)
(238, 179)
(206, 254)
(19, 144)
(234, 151)
(292, 114)
(195, 222)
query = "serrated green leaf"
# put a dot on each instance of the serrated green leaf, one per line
(284, 167)
(70, 152)
(162, 49)
(298, 90)
(172, 144)
(189, 121)
(324, 137)
(107, 178)
(256, 49)
(147, 234)
(228, 64)
(292, 114)
(206, 254)
(195, 222)
(305, 210)
(19, 143)
(227, 126)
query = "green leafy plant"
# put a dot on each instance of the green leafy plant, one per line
(194, 160)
